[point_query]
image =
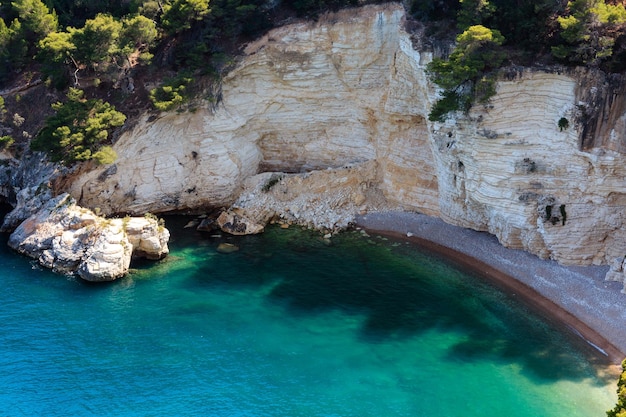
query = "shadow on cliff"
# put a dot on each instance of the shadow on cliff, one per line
(401, 293)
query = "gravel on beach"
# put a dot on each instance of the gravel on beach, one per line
(577, 296)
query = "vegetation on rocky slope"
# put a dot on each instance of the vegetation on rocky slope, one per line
(79, 130)
(468, 74)
(578, 32)
(102, 46)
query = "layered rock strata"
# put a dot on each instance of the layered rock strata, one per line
(306, 97)
(70, 239)
(351, 89)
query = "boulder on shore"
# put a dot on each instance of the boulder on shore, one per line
(71, 239)
(237, 222)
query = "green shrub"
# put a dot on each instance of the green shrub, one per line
(589, 31)
(79, 130)
(6, 142)
(450, 101)
(104, 45)
(3, 109)
(170, 95)
(179, 15)
(620, 407)
(563, 124)
(468, 75)
(105, 156)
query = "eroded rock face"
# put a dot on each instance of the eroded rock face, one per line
(70, 239)
(307, 96)
(351, 89)
(28, 201)
(25, 185)
(326, 199)
(510, 170)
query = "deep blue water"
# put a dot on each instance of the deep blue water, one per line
(289, 325)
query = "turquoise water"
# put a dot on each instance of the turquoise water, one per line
(287, 326)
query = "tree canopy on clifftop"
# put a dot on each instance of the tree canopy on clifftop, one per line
(100, 46)
(577, 32)
(66, 35)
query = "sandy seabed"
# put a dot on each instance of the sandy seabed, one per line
(578, 297)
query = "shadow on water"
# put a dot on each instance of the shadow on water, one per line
(402, 293)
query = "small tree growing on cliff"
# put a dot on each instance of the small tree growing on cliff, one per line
(37, 19)
(171, 94)
(469, 74)
(179, 15)
(103, 44)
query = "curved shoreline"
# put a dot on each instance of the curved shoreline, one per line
(577, 297)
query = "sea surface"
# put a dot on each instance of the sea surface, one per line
(290, 325)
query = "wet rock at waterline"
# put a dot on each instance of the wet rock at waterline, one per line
(71, 239)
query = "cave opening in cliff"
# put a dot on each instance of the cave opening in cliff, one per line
(5, 208)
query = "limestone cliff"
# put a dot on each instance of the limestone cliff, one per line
(352, 88)
(512, 171)
(347, 89)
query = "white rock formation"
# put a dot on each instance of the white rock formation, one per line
(307, 96)
(68, 238)
(351, 88)
(326, 199)
(510, 170)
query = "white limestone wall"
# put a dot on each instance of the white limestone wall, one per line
(351, 88)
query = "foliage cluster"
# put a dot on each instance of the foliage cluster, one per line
(171, 94)
(104, 44)
(28, 21)
(6, 141)
(468, 75)
(590, 31)
(620, 408)
(79, 131)
(578, 32)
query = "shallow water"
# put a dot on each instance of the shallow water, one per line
(287, 326)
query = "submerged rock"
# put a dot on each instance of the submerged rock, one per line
(227, 248)
(71, 239)
(206, 225)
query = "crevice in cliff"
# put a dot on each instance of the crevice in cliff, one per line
(5, 208)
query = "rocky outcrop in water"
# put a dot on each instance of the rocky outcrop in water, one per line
(70, 239)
